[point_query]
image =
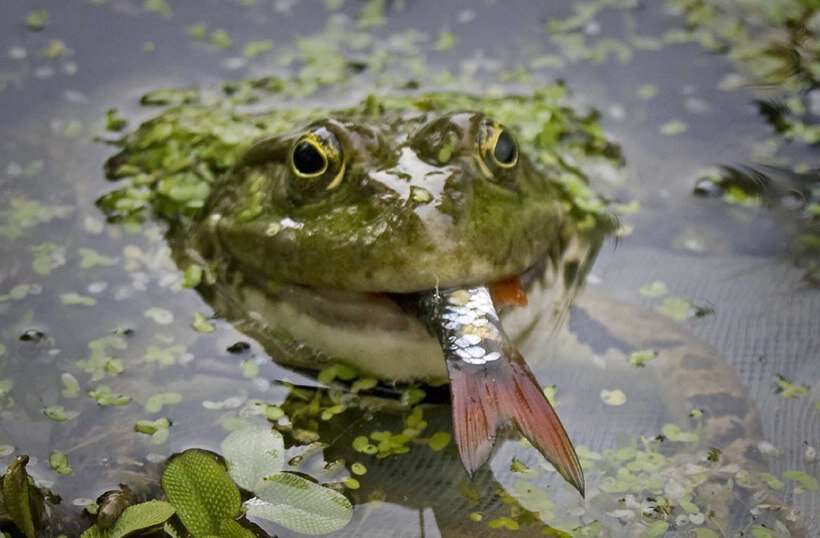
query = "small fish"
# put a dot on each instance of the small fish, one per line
(490, 383)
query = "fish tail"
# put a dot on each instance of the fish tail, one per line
(485, 397)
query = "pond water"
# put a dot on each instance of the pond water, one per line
(109, 358)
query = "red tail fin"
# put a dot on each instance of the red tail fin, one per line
(487, 396)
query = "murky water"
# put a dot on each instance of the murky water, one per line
(96, 332)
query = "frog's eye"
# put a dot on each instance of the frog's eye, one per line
(505, 151)
(308, 159)
(497, 145)
(317, 164)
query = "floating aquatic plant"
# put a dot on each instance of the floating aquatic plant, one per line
(138, 517)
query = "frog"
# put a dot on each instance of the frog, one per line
(391, 241)
(397, 234)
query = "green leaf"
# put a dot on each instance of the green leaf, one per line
(36, 20)
(154, 403)
(253, 454)
(150, 427)
(787, 389)
(134, 518)
(809, 483)
(16, 496)
(674, 127)
(655, 529)
(673, 433)
(300, 505)
(192, 276)
(59, 462)
(72, 386)
(56, 413)
(675, 308)
(221, 38)
(105, 397)
(231, 529)
(255, 48)
(439, 440)
(201, 324)
(446, 40)
(641, 357)
(198, 486)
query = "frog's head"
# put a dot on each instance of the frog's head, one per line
(388, 204)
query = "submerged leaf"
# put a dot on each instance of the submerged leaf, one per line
(253, 454)
(134, 518)
(300, 505)
(198, 486)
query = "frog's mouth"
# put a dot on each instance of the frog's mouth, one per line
(382, 311)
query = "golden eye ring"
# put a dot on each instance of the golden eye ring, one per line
(317, 165)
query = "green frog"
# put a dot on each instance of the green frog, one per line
(392, 240)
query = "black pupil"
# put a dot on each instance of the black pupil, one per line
(504, 151)
(308, 159)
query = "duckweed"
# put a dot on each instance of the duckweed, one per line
(37, 20)
(59, 462)
(439, 440)
(640, 358)
(221, 38)
(364, 384)
(155, 403)
(192, 276)
(807, 482)
(674, 127)
(614, 397)
(75, 298)
(656, 288)
(91, 258)
(56, 413)
(159, 315)
(104, 397)
(675, 308)
(503, 522)
(255, 48)
(362, 444)
(201, 324)
(358, 469)
(673, 433)
(787, 389)
(446, 40)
